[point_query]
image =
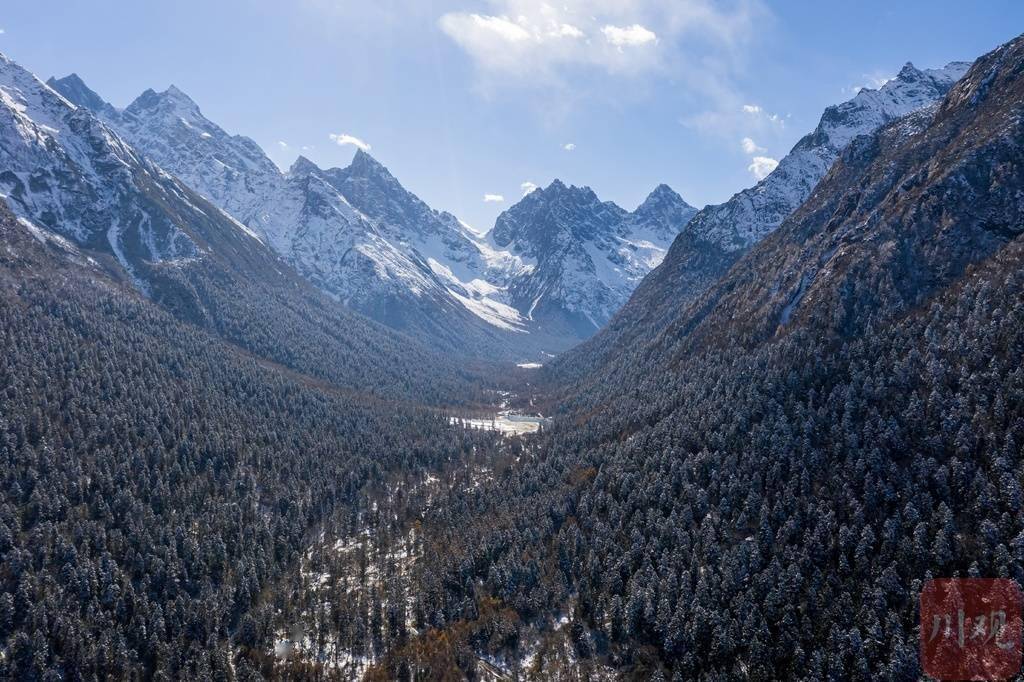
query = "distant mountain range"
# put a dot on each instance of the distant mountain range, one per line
(76, 185)
(216, 467)
(553, 271)
(557, 267)
(718, 235)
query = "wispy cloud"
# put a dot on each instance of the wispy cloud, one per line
(282, 144)
(751, 147)
(528, 187)
(569, 147)
(2, 31)
(493, 198)
(343, 140)
(869, 82)
(733, 119)
(757, 111)
(628, 36)
(537, 42)
(761, 166)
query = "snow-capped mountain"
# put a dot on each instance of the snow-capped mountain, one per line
(385, 253)
(751, 214)
(67, 173)
(719, 235)
(360, 236)
(587, 255)
(168, 127)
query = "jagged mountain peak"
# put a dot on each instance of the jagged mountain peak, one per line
(538, 218)
(174, 92)
(72, 80)
(910, 90)
(303, 166)
(75, 90)
(370, 179)
(90, 187)
(949, 73)
(169, 128)
(663, 214)
(662, 196)
(365, 165)
(172, 100)
(717, 236)
(357, 233)
(590, 254)
(7, 63)
(663, 189)
(369, 186)
(558, 193)
(754, 212)
(909, 72)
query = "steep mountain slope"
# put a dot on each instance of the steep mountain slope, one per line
(70, 173)
(751, 214)
(231, 170)
(157, 483)
(66, 173)
(901, 214)
(587, 255)
(377, 247)
(718, 235)
(761, 491)
(371, 265)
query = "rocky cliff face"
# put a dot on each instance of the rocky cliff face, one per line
(68, 173)
(587, 255)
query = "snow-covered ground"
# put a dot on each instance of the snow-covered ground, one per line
(508, 424)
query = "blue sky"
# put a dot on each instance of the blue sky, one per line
(462, 99)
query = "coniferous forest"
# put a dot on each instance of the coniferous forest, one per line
(213, 468)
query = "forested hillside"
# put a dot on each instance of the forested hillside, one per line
(156, 480)
(210, 469)
(761, 491)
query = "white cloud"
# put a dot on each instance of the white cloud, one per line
(528, 187)
(570, 31)
(2, 31)
(757, 111)
(539, 42)
(517, 43)
(342, 140)
(875, 82)
(282, 144)
(761, 166)
(628, 36)
(493, 198)
(570, 147)
(730, 118)
(501, 27)
(870, 82)
(750, 147)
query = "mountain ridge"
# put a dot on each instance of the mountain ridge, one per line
(719, 235)
(380, 249)
(68, 174)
